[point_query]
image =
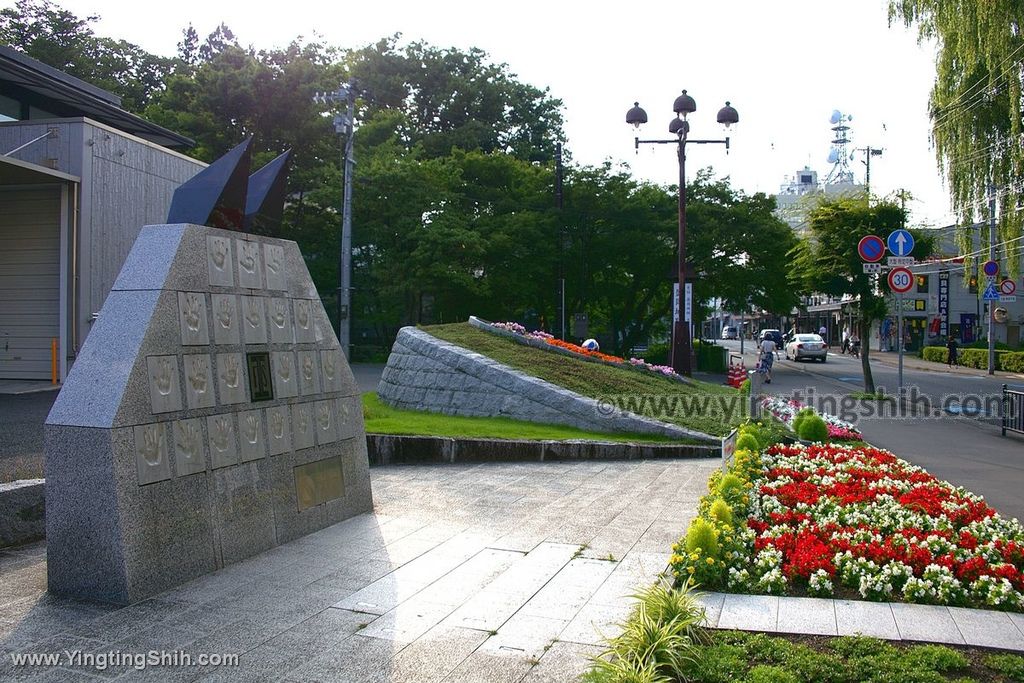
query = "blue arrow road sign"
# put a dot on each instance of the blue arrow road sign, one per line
(900, 242)
(991, 293)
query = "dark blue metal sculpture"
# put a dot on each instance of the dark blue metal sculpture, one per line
(216, 196)
(265, 203)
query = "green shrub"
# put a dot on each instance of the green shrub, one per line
(860, 646)
(978, 358)
(730, 486)
(747, 442)
(1012, 361)
(936, 354)
(770, 674)
(745, 388)
(720, 664)
(767, 431)
(936, 658)
(813, 428)
(721, 512)
(702, 534)
(1008, 665)
(799, 418)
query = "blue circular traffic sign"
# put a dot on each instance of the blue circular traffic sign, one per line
(871, 248)
(991, 268)
(900, 242)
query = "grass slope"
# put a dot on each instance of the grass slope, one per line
(383, 419)
(709, 408)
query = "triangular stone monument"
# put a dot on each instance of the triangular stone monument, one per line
(210, 416)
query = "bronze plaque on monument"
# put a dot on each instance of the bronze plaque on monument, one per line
(261, 385)
(318, 482)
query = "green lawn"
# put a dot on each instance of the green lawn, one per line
(709, 408)
(383, 419)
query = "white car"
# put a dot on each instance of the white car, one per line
(806, 346)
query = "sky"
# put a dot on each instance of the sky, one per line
(784, 65)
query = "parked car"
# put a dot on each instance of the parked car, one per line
(774, 335)
(729, 333)
(807, 346)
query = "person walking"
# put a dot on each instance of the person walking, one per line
(846, 340)
(951, 351)
(823, 333)
(767, 359)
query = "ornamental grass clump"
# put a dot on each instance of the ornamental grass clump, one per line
(659, 642)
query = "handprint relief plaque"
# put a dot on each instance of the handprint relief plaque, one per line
(192, 314)
(164, 392)
(218, 261)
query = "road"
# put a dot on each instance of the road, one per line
(964, 451)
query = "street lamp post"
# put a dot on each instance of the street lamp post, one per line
(682, 350)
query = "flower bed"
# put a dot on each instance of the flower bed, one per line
(850, 521)
(786, 410)
(517, 331)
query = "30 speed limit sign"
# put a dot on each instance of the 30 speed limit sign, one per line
(901, 280)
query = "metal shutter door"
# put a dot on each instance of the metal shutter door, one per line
(29, 280)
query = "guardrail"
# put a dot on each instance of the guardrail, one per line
(1013, 410)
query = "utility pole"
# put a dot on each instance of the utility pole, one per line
(344, 125)
(868, 153)
(991, 257)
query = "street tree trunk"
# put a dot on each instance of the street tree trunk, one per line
(865, 345)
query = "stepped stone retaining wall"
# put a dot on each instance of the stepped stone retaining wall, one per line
(22, 517)
(426, 373)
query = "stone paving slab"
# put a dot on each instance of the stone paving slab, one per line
(987, 629)
(928, 623)
(807, 615)
(873, 619)
(749, 612)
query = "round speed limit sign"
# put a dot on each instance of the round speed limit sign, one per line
(901, 280)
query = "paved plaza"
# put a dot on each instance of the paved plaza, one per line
(509, 572)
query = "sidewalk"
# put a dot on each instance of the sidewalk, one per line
(509, 572)
(911, 361)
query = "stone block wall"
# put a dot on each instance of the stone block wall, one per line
(426, 373)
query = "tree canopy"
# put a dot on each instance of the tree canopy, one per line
(454, 210)
(826, 259)
(975, 104)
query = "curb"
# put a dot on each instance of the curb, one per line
(897, 621)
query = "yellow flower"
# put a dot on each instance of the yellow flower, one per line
(690, 569)
(710, 560)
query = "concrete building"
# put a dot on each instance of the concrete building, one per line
(799, 193)
(79, 177)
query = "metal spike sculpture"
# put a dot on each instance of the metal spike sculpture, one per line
(265, 202)
(216, 195)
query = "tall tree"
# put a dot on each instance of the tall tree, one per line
(57, 37)
(826, 260)
(976, 102)
(457, 99)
